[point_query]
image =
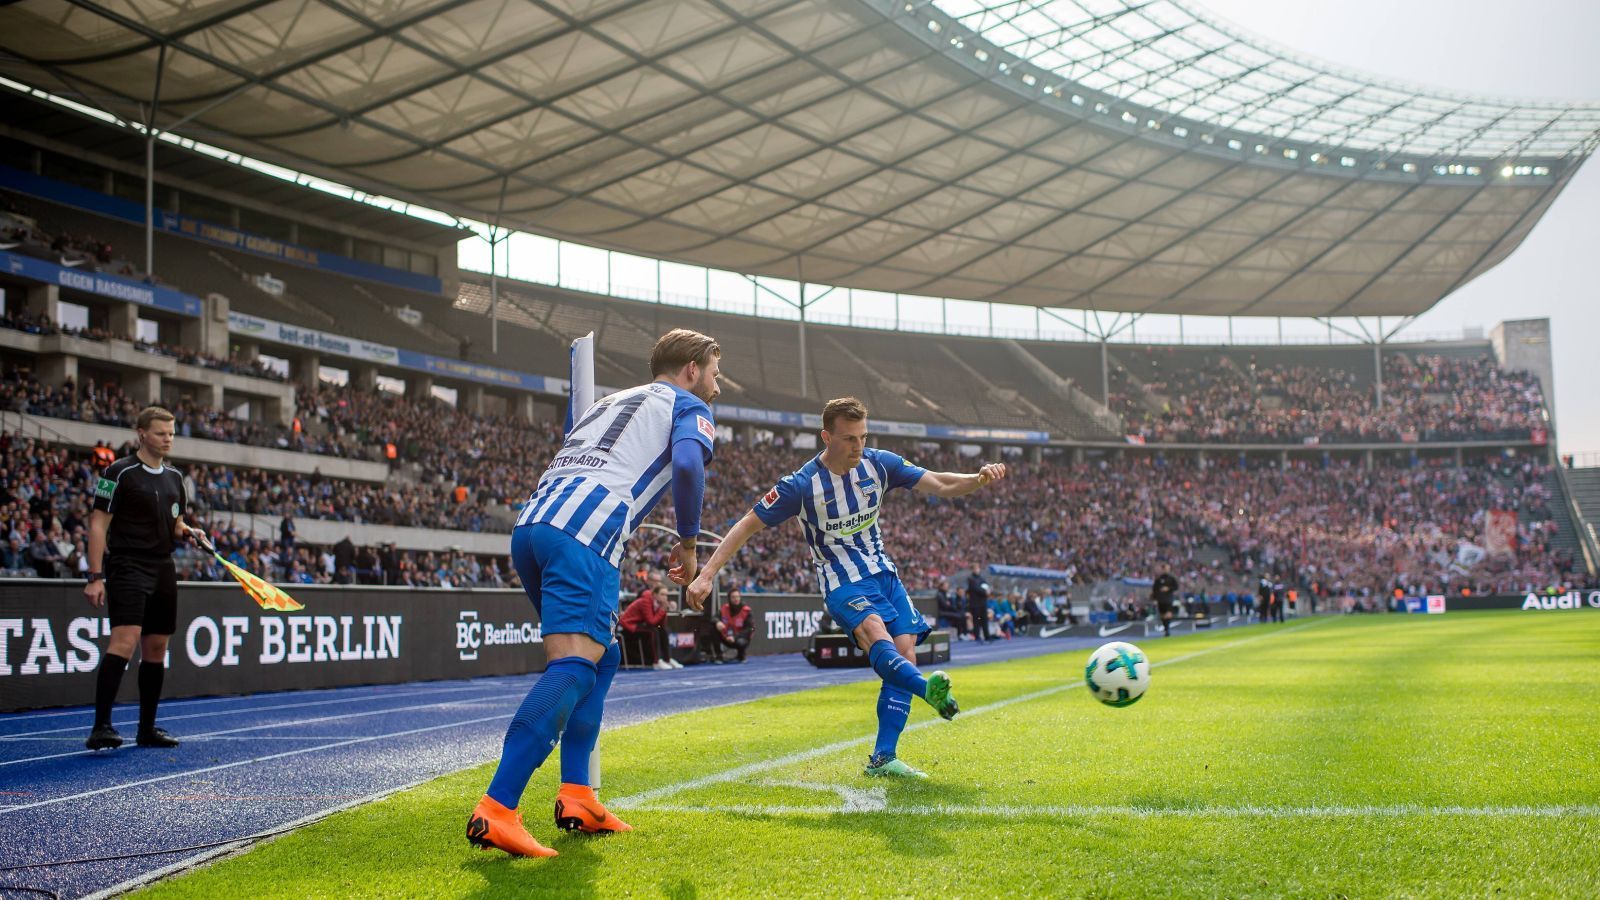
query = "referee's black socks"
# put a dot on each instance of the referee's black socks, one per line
(150, 675)
(107, 681)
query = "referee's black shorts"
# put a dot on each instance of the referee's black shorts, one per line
(142, 591)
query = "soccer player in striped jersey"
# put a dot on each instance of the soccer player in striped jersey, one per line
(618, 461)
(837, 496)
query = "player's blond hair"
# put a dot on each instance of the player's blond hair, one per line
(151, 415)
(679, 347)
(848, 408)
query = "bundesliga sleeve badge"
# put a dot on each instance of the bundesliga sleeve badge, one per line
(770, 498)
(706, 428)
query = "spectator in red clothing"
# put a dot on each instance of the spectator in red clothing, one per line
(733, 627)
(644, 631)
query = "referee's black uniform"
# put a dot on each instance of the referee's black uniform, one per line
(141, 578)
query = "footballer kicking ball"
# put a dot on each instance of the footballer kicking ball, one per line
(1118, 674)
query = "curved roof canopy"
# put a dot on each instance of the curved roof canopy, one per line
(1115, 155)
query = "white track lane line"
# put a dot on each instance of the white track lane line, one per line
(610, 700)
(1086, 811)
(359, 691)
(297, 722)
(243, 762)
(635, 801)
(254, 709)
(289, 724)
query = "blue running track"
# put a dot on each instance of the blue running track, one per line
(265, 761)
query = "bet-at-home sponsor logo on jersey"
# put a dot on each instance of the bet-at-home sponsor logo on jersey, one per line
(473, 635)
(1569, 600)
(849, 525)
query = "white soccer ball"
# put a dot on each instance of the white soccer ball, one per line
(1118, 674)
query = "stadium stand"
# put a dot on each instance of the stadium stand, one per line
(1254, 395)
(1333, 525)
(466, 472)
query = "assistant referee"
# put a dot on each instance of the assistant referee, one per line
(139, 502)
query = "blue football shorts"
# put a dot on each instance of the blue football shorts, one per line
(879, 594)
(574, 590)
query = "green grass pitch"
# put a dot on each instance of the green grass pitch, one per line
(1454, 755)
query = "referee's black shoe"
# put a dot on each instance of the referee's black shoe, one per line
(156, 737)
(103, 737)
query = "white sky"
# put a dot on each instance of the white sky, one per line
(1531, 48)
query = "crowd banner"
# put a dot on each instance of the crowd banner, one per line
(51, 640)
(261, 329)
(728, 412)
(1530, 602)
(114, 287)
(781, 623)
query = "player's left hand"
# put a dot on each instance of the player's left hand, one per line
(991, 473)
(685, 564)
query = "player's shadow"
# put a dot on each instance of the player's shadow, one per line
(572, 874)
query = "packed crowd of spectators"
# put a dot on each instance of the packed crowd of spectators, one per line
(1425, 398)
(45, 497)
(1343, 527)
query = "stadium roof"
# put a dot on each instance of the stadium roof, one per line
(29, 117)
(1117, 155)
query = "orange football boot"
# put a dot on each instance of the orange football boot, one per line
(578, 809)
(492, 825)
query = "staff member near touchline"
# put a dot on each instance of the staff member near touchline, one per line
(139, 503)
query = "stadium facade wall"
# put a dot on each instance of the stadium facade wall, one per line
(51, 640)
(327, 532)
(1525, 344)
(278, 397)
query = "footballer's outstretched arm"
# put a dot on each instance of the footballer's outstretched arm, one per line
(955, 484)
(688, 494)
(700, 589)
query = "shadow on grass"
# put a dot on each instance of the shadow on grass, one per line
(572, 874)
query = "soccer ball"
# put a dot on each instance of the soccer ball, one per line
(1118, 674)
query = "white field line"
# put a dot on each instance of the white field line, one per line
(1082, 811)
(635, 801)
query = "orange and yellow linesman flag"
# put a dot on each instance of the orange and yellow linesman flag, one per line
(269, 596)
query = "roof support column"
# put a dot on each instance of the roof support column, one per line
(1105, 375)
(150, 168)
(496, 236)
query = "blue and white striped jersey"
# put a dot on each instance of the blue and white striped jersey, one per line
(617, 463)
(840, 513)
